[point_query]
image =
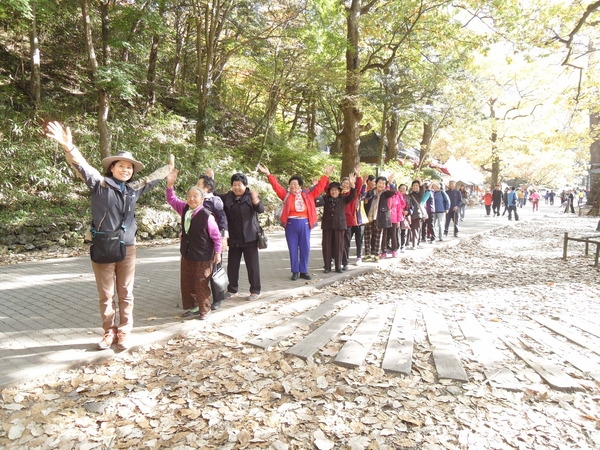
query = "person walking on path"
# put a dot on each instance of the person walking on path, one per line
(441, 205)
(113, 201)
(242, 206)
(487, 202)
(535, 200)
(496, 200)
(199, 246)
(512, 200)
(299, 216)
(455, 202)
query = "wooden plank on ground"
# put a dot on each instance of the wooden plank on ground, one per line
(569, 333)
(355, 350)
(399, 350)
(583, 324)
(551, 373)
(272, 336)
(569, 354)
(487, 354)
(445, 356)
(244, 327)
(328, 331)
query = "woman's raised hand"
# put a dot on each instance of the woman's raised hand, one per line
(263, 169)
(54, 130)
(172, 177)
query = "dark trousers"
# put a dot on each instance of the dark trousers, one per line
(357, 232)
(390, 239)
(488, 209)
(451, 216)
(427, 231)
(234, 257)
(332, 244)
(496, 208)
(512, 209)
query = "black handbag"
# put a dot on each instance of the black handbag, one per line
(218, 283)
(107, 247)
(263, 241)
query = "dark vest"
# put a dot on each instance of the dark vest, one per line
(196, 245)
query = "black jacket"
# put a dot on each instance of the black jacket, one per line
(334, 211)
(241, 217)
(383, 218)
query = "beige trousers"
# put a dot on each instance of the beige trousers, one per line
(120, 275)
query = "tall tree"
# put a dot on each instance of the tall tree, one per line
(103, 96)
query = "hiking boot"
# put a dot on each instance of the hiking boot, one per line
(108, 340)
(123, 340)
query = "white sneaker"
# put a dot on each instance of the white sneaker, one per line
(358, 262)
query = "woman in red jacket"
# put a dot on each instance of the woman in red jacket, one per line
(298, 217)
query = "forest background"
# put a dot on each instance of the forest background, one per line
(511, 86)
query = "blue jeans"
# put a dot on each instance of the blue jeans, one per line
(297, 236)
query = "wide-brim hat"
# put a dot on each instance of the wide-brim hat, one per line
(122, 156)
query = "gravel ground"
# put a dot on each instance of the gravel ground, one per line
(205, 390)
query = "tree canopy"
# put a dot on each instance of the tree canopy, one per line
(512, 87)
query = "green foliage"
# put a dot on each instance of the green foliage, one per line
(120, 79)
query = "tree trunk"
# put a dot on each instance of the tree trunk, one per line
(106, 56)
(594, 194)
(425, 143)
(210, 20)
(34, 49)
(494, 180)
(383, 156)
(349, 136)
(392, 136)
(103, 96)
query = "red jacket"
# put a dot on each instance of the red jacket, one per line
(351, 207)
(308, 196)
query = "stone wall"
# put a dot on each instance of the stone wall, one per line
(152, 225)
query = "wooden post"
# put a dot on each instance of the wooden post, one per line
(565, 246)
(587, 247)
(597, 254)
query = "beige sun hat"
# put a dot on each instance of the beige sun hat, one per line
(122, 156)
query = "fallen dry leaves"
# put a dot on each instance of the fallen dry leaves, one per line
(205, 390)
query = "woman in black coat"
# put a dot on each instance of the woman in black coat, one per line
(241, 205)
(334, 224)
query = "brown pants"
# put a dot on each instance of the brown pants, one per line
(120, 275)
(195, 288)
